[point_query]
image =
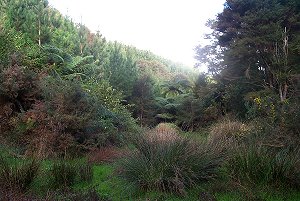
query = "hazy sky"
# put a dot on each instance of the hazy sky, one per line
(170, 28)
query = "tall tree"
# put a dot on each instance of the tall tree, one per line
(143, 100)
(121, 68)
(30, 17)
(256, 40)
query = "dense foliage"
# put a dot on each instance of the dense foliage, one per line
(255, 53)
(254, 59)
(66, 91)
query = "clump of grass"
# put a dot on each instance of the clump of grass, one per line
(251, 164)
(260, 165)
(85, 172)
(286, 167)
(17, 176)
(161, 133)
(228, 129)
(168, 127)
(64, 174)
(170, 164)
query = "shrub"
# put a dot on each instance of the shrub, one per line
(53, 117)
(19, 85)
(170, 165)
(252, 164)
(86, 114)
(18, 176)
(292, 124)
(105, 154)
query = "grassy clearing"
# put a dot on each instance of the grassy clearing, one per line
(246, 173)
(109, 186)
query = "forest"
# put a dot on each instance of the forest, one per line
(85, 118)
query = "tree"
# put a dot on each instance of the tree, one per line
(30, 17)
(143, 100)
(97, 48)
(256, 40)
(121, 68)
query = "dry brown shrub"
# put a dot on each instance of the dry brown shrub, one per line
(20, 86)
(40, 143)
(39, 137)
(5, 116)
(44, 137)
(106, 154)
(6, 113)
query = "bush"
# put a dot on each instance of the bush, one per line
(52, 117)
(17, 176)
(66, 121)
(106, 154)
(286, 168)
(170, 165)
(19, 85)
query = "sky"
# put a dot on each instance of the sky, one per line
(169, 28)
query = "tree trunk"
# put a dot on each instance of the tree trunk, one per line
(39, 32)
(280, 93)
(81, 49)
(283, 88)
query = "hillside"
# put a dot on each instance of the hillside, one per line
(83, 118)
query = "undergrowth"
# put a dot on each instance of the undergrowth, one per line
(173, 165)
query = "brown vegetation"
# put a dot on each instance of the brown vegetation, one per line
(106, 154)
(162, 133)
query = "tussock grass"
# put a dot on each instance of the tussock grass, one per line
(258, 164)
(228, 129)
(17, 176)
(65, 174)
(167, 162)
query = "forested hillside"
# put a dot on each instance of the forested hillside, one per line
(84, 118)
(53, 70)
